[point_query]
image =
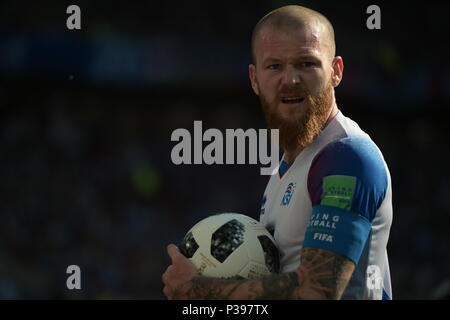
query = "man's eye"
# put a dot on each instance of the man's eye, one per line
(275, 66)
(308, 64)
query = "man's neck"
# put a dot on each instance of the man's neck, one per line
(290, 155)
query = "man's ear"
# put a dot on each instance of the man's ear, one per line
(338, 69)
(252, 76)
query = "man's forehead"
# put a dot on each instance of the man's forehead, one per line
(302, 36)
(305, 40)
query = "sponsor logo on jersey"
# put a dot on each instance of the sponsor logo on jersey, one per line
(338, 191)
(288, 194)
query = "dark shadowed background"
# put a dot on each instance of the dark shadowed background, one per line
(86, 117)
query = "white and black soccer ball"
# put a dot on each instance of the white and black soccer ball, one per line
(231, 245)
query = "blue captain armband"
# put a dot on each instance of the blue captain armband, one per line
(337, 230)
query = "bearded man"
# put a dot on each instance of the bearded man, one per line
(329, 206)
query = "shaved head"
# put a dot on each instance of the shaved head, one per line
(292, 18)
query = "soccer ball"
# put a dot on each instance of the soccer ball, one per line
(231, 245)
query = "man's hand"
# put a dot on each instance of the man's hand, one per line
(178, 277)
(322, 274)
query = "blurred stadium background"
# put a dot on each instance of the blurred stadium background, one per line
(86, 118)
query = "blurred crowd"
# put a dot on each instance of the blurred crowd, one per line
(85, 126)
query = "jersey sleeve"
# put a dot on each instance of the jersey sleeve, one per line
(347, 183)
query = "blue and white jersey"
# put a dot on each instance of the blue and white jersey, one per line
(337, 196)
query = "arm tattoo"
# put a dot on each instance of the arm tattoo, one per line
(322, 275)
(213, 288)
(325, 273)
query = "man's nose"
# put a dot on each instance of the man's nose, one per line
(291, 77)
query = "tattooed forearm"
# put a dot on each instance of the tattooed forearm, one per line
(214, 288)
(279, 286)
(324, 274)
(321, 275)
(276, 286)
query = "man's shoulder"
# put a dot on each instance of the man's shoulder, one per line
(341, 127)
(348, 140)
(352, 166)
(353, 153)
(348, 126)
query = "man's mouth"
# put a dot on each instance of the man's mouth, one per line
(292, 100)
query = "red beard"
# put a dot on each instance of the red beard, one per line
(301, 131)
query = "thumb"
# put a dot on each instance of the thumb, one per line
(173, 251)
